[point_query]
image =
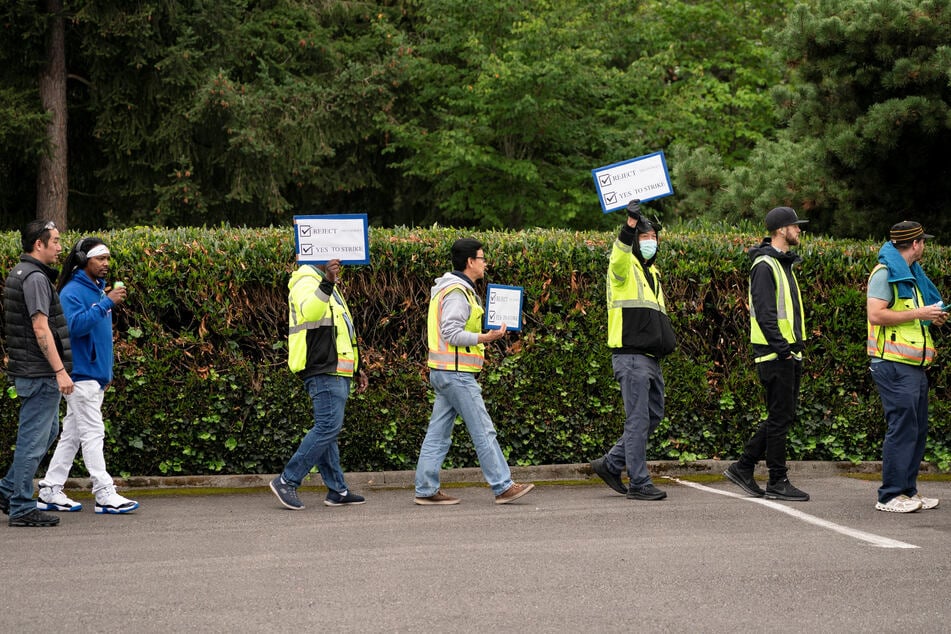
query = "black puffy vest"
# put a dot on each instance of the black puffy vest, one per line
(26, 358)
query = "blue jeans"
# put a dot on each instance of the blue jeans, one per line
(642, 388)
(329, 394)
(904, 392)
(459, 394)
(37, 431)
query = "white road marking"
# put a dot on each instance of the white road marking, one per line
(875, 540)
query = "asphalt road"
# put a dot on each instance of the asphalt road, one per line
(565, 558)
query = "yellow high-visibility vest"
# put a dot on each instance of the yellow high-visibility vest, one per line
(909, 342)
(628, 287)
(442, 355)
(310, 309)
(785, 317)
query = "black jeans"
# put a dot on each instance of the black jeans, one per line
(781, 379)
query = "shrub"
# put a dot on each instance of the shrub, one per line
(201, 382)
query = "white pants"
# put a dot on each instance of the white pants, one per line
(82, 427)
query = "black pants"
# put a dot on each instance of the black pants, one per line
(780, 379)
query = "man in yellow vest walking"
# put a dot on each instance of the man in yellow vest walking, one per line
(639, 335)
(456, 355)
(778, 336)
(901, 303)
(322, 350)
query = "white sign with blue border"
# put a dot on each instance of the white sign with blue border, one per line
(344, 237)
(643, 178)
(503, 305)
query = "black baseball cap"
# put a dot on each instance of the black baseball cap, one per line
(780, 217)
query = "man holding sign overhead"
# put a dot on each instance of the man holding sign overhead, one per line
(322, 350)
(639, 336)
(456, 355)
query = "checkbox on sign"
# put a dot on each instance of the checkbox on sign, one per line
(304, 231)
(610, 198)
(604, 179)
(307, 249)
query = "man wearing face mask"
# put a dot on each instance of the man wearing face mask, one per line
(778, 336)
(639, 335)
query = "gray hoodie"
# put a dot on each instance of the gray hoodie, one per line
(455, 311)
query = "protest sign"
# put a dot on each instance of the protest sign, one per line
(319, 239)
(503, 305)
(643, 178)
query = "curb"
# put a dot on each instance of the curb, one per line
(579, 472)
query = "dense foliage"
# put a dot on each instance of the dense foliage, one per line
(489, 113)
(202, 384)
(867, 114)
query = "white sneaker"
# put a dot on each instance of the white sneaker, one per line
(926, 503)
(110, 502)
(53, 499)
(899, 504)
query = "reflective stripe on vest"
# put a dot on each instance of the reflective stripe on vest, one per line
(442, 355)
(785, 310)
(632, 291)
(344, 339)
(909, 342)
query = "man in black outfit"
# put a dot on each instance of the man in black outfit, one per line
(778, 335)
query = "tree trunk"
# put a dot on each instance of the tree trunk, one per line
(51, 182)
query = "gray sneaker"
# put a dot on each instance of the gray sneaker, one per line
(286, 493)
(613, 480)
(646, 492)
(34, 518)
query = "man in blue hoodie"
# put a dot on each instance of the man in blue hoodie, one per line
(88, 309)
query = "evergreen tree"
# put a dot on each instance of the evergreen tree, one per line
(873, 90)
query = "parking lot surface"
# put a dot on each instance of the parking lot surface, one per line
(564, 558)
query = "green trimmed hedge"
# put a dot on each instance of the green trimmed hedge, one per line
(202, 384)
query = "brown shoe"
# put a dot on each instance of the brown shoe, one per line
(513, 493)
(437, 498)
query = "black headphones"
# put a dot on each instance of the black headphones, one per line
(79, 255)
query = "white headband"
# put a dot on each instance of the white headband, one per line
(96, 251)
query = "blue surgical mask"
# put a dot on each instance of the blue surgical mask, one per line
(648, 248)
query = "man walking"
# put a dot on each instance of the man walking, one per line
(639, 335)
(456, 355)
(39, 362)
(88, 310)
(901, 304)
(322, 349)
(778, 336)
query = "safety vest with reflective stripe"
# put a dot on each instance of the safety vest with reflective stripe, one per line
(785, 317)
(444, 356)
(629, 291)
(311, 310)
(908, 342)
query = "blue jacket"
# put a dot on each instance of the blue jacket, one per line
(89, 317)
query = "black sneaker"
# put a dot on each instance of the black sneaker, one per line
(34, 518)
(286, 494)
(783, 490)
(343, 499)
(743, 479)
(646, 492)
(4, 505)
(613, 480)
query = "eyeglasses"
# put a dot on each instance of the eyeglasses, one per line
(49, 225)
(478, 257)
